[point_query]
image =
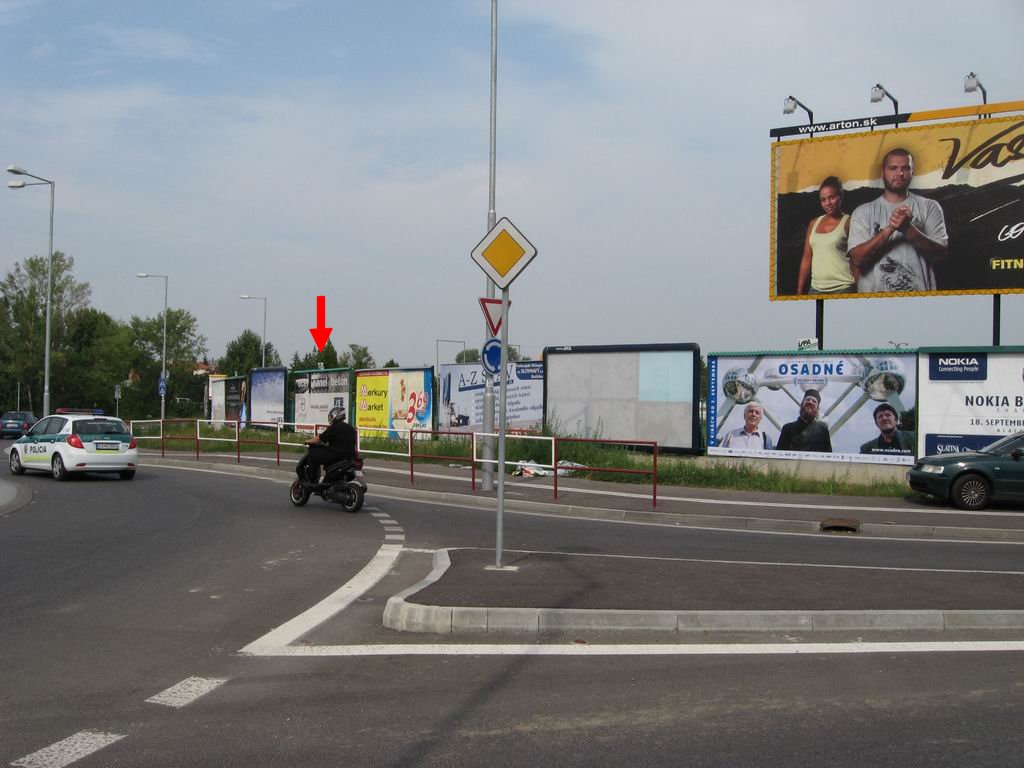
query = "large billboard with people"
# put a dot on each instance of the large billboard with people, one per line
(641, 392)
(828, 406)
(462, 397)
(969, 397)
(915, 211)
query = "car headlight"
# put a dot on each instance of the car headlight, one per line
(932, 469)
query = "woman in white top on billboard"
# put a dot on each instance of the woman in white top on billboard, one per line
(825, 266)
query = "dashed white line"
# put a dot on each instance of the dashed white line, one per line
(187, 691)
(68, 750)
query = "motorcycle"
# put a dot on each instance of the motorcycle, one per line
(343, 483)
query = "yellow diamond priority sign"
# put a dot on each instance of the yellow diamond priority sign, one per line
(503, 253)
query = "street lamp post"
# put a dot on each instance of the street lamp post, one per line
(163, 357)
(878, 93)
(49, 273)
(264, 344)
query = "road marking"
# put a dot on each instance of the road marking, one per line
(395, 537)
(67, 751)
(337, 601)
(695, 649)
(187, 691)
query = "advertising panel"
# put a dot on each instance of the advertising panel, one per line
(629, 392)
(969, 397)
(235, 397)
(394, 400)
(827, 406)
(268, 394)
(218, 401)
(317, 392)
(462, 397)
(960, 230)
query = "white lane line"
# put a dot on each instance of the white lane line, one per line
(187, 691)
(701, 649)
(395, 537)
(67, 751)
(337, 601)
(380, 514)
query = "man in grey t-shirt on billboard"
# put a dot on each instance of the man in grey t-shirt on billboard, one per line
(896, 238)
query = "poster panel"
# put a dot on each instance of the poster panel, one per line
(218, 402)
(235, 396)
(762, 406)
(965, 186)
(462, 397)
(643, 392)
(268, 394)
(394, 401)
(969, 397)
(317, 392)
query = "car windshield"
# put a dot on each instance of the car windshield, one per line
(99, 427)
(14, 416)
(1003, 444)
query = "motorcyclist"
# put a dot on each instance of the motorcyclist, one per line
(335, 443)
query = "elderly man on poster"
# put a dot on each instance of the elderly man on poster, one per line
(896, 238)
(890, 438)
(748, 437)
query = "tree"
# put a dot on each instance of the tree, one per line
(357, 357)
(392, 363)
(94, 362)
(471, 355)
(312, 360)
(185, 345)
(244, 353)
(23, 324)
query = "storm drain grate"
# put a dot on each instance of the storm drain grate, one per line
(840, 525)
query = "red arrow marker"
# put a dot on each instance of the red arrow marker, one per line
(320, 333)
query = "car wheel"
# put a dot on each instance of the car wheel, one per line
(127, 474)
(60, 472)
(16, 468)
(971, 492)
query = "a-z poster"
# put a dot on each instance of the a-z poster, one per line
(969, 397)
(851, 406)
(462, 397)
(394, 401)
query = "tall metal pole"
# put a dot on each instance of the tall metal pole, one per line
(264, 346)
(49, 300)
(501, 427)
(488, 478)
(163, 358)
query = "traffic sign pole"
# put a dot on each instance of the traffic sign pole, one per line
(502, 422)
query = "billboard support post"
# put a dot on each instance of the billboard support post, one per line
(995, 319)
(819, 322)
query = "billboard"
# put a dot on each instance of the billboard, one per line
(235, 397)
(628, 392)
(828, 406)
(947, 218)
(394, 400)
(317, 392)
(462, 397)
(218, 399)
(267, 394)
(969, 397)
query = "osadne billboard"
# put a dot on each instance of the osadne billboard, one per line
(916, 211)
(850, 406)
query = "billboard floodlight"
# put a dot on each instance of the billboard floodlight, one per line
(791, 103)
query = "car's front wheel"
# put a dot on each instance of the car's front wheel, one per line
(971, 492)
(60, 472)
(16, 468)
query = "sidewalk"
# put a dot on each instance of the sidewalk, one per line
(553, 592)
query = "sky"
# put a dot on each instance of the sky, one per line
(296, 148)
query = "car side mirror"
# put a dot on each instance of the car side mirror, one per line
(1017, 453)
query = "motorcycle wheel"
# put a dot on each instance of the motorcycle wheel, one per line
(352, 499)
(298, 494)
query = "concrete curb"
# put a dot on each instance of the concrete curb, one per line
(401, 615)
(756, 524)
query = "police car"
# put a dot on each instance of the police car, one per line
(76, 441)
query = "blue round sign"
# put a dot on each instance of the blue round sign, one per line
(490, 356)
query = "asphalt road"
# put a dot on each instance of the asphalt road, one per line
(112, 592)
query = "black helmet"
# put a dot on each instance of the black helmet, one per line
(337, 412)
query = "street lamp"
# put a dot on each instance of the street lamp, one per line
(264, 345)
(878, 93)
(20, 184)
(972, 83)
(437, 344)
(163, 358)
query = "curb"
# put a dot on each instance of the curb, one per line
(401, 615)
(754, 524)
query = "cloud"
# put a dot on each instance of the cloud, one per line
(148, 44)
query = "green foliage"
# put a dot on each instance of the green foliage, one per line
(392, 363)
(328, 357)
(469, 355)
(244, 353)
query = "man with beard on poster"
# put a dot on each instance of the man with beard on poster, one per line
(806, 433)
(890, 439)
(897, 238)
